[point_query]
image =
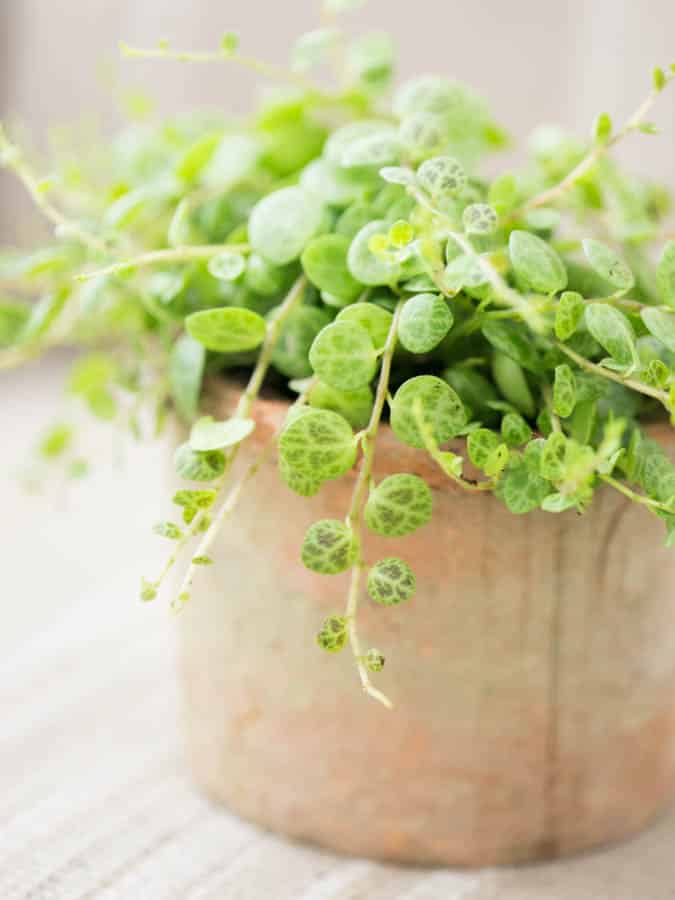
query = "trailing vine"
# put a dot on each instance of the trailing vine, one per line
(342, 244)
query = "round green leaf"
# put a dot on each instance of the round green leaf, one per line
(227, 266)
(333, 634)
(515, 430)
(480, 444)
(343, 356)
(564, 391)
(196, 466)
(370, 58)
(425, 321)
(291, 351)
(342, 139)
(318, 444)
(324, 260)
(521, 488)
(42, 316)
(552, 463)
(479, 218)
(195, 159)
(568, 315)
(364, 265)
(665, 274)
(329, 547)
(661, 324)
(439, 406)
(283, 223)
(379, 149)
(13, 318)
(391, 581)
(423, 133)
(542, 220)
(399, 505)
(374, 660)
(397, 175)
(227, 329)
(557, 503)
(355, 406)
(264, 278)
(430, 93)
(503, 193)
(608, 265)
(354, 218)
(513, 341)
(656, 374)
(512, 383)
(474, 389)
(372, 318)
(334, 186)
(613, 331)
(207, 434)
(463, 272)
(654, 471)
(536, 263)
(300, 483)
(442, 176)
(186, 368)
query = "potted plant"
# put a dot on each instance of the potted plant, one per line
(423, 410)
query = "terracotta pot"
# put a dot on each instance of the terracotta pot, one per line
(533, 676)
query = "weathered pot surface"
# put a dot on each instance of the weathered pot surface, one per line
(533, 676)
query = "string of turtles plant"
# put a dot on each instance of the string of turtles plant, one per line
(345, 246)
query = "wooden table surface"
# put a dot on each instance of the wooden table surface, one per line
(95, 799)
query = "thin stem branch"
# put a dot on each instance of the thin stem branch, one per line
(635, 497)
(260, 67)
(242, 411)
(355, 514)
(230, 503)
(188, 533)
(587, 163)
(169, 255)
(12, 158)
(436, 454)
(503, 292)
(595, 369)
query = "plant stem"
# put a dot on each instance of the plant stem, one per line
(11, 157)
(635, 497)
(587, 163)
(169, 255)
(436, 454)
(355, 514)
(503, 292)
(242, 411)
(260, 67)
(638, 386)
(188, 533)
(230, 502)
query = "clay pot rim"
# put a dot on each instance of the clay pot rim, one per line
(221, 395)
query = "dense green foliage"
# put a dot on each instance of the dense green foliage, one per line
(346, 245)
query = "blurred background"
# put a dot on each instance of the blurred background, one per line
(535, 62)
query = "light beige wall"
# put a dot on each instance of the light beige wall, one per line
(534, 59)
